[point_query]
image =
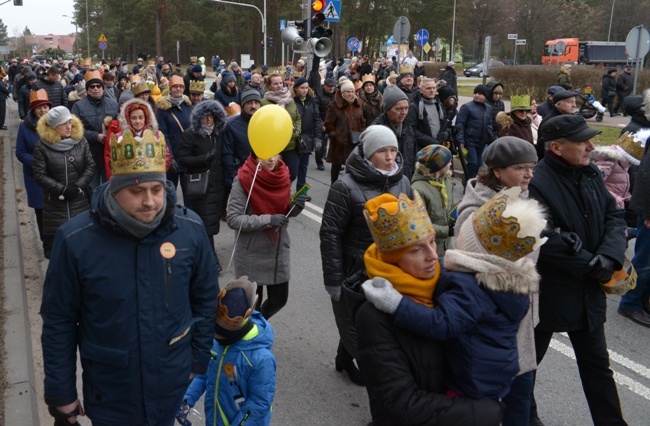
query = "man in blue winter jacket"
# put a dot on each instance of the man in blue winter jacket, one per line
(133, 285)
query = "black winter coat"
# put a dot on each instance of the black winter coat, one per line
(577, 201)
(236, 147)
(312, 125)
(323, 102)
(420, 124)
(344, 234)
(474, 124)
(541, 143)
(545, 108)
(406, 144)
(450, 76)
(406, 378)
(195, 144)
(92, 113)
(497, 106)
(23, 101)
(608, 87)
(624, 84)
(55, 170)
(55, 92)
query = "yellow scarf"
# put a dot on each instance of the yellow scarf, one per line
(417, 289)
(442, 188)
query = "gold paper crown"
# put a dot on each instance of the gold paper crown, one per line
(368, 77)
(406, 68)
(139, 87)
(38, 95)
(498, 234)
(396, 223)
(631, 147)
(234, 323)
(520, 103)
(89, 75)
(197, 86)
(129, 155)
(176, 80)
(194, 59)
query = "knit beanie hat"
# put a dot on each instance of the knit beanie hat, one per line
(509, 150)
(227, 76)
(80, 88)
(376, 137)
(250, 95)
(93, 77)
(31, 76)
(507, 226)
(434, 157)
(392, 95)
(445, 92)
(57, 116)
(396, 224)
(481, 89)
(347, 85)
(197, 68)
(236, 303)
(299, 81)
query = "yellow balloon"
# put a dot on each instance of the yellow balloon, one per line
(270, 131)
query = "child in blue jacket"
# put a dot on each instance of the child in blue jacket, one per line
(240, 381)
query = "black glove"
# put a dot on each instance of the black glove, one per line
(450, 233)
(603, 268)
(572, 240)
(443, 136)
(209, 156)
(296, 207)
(279, 220)
(71, 192)
(318, 144)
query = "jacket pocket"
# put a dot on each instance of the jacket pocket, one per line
(104, 354)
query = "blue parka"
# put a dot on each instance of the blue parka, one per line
(236, 147)
(479, 322)
(244, 369)
(25, 142)
(141, 316)
(474, 124)
(169, 117)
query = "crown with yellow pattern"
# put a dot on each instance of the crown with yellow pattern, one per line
(631, 147)
(139, 87)
(142, 155)
(499, 235)
(396, 223)
(197, 86)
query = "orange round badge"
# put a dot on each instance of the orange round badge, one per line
(168, 250)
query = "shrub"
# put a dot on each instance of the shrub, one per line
(534, 80)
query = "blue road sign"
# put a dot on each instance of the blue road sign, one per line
(354, 44)
(333, 11)
(422, 37)
(283, 24)
(103, 45)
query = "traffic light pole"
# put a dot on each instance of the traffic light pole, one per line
(262, 15)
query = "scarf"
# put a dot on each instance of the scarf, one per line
(417, 289)
(271, 191)
(279, 97)
(63, 145)
(441, 187)
(374, 99)
(174, 101)
(208, 129)
(128, 224)
(383, 172)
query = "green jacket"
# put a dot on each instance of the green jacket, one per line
(438, 213)
(292, 109)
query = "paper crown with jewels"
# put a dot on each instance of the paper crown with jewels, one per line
(632, 146)
(141, 155)
(197, 86)
(396, 223)
(505, 230)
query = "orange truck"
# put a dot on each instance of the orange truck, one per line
(572, 50)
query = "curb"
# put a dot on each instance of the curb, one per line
(20, 395)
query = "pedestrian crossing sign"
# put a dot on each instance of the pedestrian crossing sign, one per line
(333, 11)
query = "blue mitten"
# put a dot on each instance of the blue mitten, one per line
(380, 292)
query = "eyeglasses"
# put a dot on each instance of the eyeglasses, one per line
(524, 169)
(95, 86)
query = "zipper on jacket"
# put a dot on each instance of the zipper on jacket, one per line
(67, 182)
(216, 392)
(170, 282)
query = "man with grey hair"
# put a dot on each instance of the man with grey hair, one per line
(426, 115)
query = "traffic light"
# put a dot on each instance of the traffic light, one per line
(317, 18)
(269, 41)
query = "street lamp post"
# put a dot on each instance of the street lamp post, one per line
(75, 45)
(87, 30)
(453, 33)
(262, 15)
(611, 17)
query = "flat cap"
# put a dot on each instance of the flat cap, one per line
(567, 126)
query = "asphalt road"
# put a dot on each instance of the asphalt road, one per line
(311, 392)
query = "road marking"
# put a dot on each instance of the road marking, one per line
(619, 378)
(315, 208)
(311, 215)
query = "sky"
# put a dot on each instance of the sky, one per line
(41, 16)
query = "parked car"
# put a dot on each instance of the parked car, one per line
(477, 70)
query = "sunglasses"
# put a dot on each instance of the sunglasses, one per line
(95, 86)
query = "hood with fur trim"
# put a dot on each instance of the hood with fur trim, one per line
(605, 153)
(164, 104)
(646, 104)
(124, 123)
(204, 108)
(49, 135)
(505, 120)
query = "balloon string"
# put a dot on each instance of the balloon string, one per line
(241, 223)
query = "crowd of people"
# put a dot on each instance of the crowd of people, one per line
(444, 307)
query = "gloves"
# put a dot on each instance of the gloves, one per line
(572, 240)
(380, 292)
(443, 136)
(209, 156)
(334, 292)
(318, 144)
(603, 268)
(183, 412)
(450, 233)
(279, 221)
(296, 207)
(71, 192)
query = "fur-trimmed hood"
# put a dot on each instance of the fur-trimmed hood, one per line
(604, 153)
(124, 123)
(646, 104)
(310, 93)
(204, 108)
(49, 135)
(164, 104)
(506, 120)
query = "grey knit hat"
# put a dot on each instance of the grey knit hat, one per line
(250, 95)
(376, 137)
(507, 151)
(393, 94)
(118, 182)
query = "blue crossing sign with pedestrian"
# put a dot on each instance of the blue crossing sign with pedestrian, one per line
(354, 44)
(333, 11)
(283, 24)
(422, 37)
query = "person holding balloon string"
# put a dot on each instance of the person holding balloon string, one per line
(260, 206)
(280, 95)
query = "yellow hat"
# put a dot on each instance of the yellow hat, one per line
(129, 155)
(397, 223)
(155, 93)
